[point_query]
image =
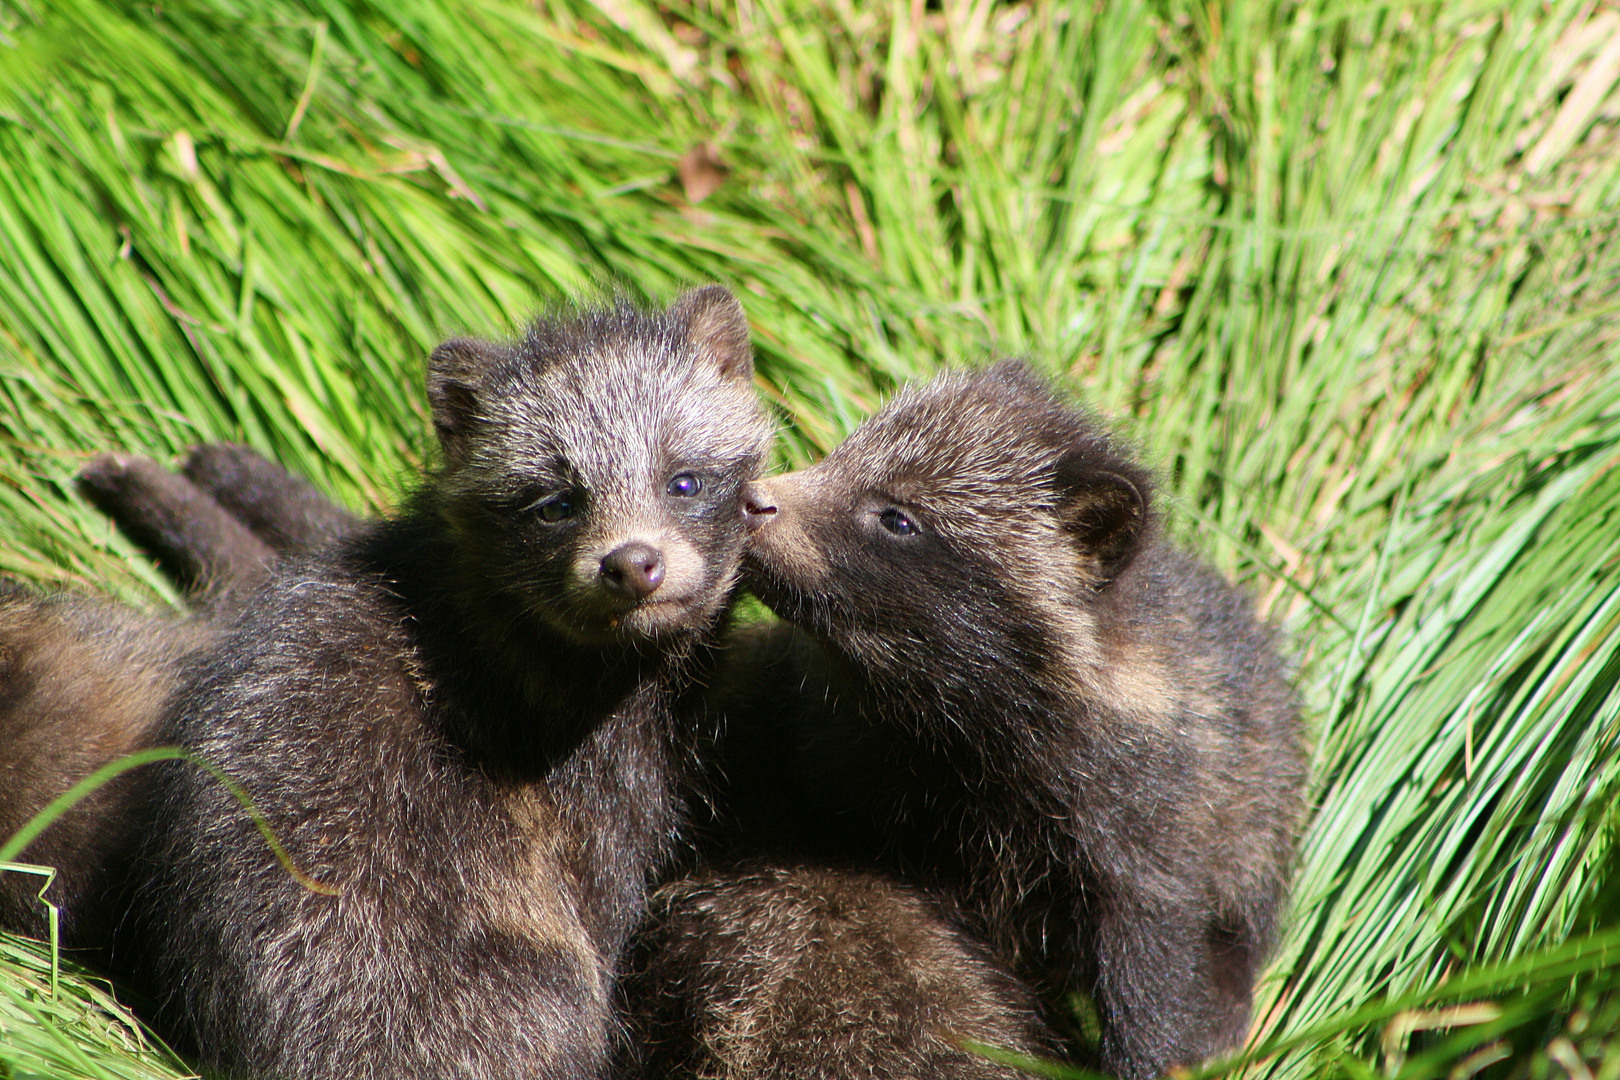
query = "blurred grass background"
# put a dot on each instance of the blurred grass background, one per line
(1347, 271)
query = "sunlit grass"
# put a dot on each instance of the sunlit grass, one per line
(1346, 272)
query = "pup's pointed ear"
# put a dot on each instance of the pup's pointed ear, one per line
(457, 374)
(717, 328)
(1104, 505)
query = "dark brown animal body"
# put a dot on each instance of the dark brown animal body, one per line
(81, 684)
(775, 973)
(1025, 700)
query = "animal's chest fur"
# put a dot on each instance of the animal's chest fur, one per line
(1003, 842)
(566, 829)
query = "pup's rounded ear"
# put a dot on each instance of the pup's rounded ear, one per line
(717, 328)
(1105, 506)
(1013, 374)
(457, 373)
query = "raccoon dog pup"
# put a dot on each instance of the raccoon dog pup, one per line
(1039, 707)
(469, 721)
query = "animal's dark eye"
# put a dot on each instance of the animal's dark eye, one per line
(684, 485)
(897, 522)
(556, 508)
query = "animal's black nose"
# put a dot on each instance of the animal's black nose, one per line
(633, 570)
(758, 506)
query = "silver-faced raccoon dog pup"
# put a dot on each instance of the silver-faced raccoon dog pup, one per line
(471, 722)
(1035, 705)
(83, 682)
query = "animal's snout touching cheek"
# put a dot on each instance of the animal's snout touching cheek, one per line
(758, 505)
(633, 571)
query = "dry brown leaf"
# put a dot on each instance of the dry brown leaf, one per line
(701, 172)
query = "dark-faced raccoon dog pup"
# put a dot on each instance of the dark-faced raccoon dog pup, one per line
(83, 682)
(802, 972)
(1035, 705)
(469, 725)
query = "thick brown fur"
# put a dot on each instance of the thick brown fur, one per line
(795, 968)
(1033, 704)
(772, 973)
(82, 683)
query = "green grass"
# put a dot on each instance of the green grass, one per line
(1347, 272)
